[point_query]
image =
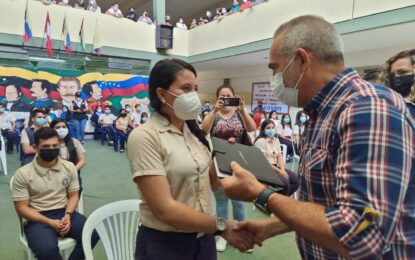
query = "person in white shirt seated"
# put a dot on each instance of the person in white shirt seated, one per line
(180, 24)
(270, 146)
(273, 115)
(136, 116)
(144, 18)
(64, 3)
(107, 121)
(93, 6)
(285, 132)
(115, 11)
(7, 126)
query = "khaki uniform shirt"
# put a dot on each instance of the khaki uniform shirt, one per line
(24, 138)
(270, 147)
(64, 153)
(45, 189)
(159, 148)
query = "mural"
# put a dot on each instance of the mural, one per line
(21, 89)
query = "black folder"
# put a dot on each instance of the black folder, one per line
(249, 157)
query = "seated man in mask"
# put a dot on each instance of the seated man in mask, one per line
(45, 193)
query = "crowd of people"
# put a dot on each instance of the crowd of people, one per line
(131, 14)
(355, 181)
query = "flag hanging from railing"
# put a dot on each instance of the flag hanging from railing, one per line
(81, 36)
(97, 40)
(67, 37)
(27, 29)
(48, 33)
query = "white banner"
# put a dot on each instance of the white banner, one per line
(261, 91)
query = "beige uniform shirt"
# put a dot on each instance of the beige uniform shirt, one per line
(270, 147)
(159, 148)
(24, 138)
(64, 153)
(45, 189)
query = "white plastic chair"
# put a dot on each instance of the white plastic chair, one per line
(117, 225)
(284, 151)
(66, 245)
(296, 160)
(3, 157)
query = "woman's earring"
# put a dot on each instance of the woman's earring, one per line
(163, 102)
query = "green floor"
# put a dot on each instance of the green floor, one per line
(106, 179)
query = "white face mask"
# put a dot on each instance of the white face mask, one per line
(65, 1)
(62, 132)
(186, 106)
(287, 95)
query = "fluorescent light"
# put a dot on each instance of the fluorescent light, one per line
(47, 60)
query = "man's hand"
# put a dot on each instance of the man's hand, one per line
(263, 229)
(242, 185)
(56, 224)
(258, 229)
(66, 225)
(241, 239)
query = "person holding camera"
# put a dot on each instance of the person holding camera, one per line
(228, 120)
(79, 109)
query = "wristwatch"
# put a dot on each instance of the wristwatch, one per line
(220, 226)
(262, 201)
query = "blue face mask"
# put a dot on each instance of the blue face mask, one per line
(2, 110)
(303, 119)
(41, 121)
(107, 111)
(269, 132)
(65, 110)
(286, 120)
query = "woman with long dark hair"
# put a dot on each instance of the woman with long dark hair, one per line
(171, 165)
(285, 132)
(231, 123)
(267, 141)
(299, 128)
(70, 148)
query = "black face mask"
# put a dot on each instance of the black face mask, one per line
(49, 155)
(123, 115)
(403, 84)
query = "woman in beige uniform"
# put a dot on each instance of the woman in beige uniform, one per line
(170, 162)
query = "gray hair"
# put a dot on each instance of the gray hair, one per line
(312, 33)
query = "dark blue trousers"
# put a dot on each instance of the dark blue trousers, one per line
(43, 240)
(158, 245)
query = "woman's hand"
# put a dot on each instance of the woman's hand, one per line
(218, 106)
(241, 103)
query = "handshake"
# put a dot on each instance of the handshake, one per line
(245, 235)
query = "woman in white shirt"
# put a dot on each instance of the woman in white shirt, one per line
(270, 146)
(285, 132)
(300, 125)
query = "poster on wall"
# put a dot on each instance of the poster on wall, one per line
(263, 94)
(21, 89)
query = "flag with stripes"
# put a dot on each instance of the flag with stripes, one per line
(27, 30)
(97, 41)
(67, 37)
(48, 32)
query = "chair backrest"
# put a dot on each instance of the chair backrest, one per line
(21, 220)
(117, 225)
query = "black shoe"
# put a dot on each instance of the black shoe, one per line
(121, 150)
